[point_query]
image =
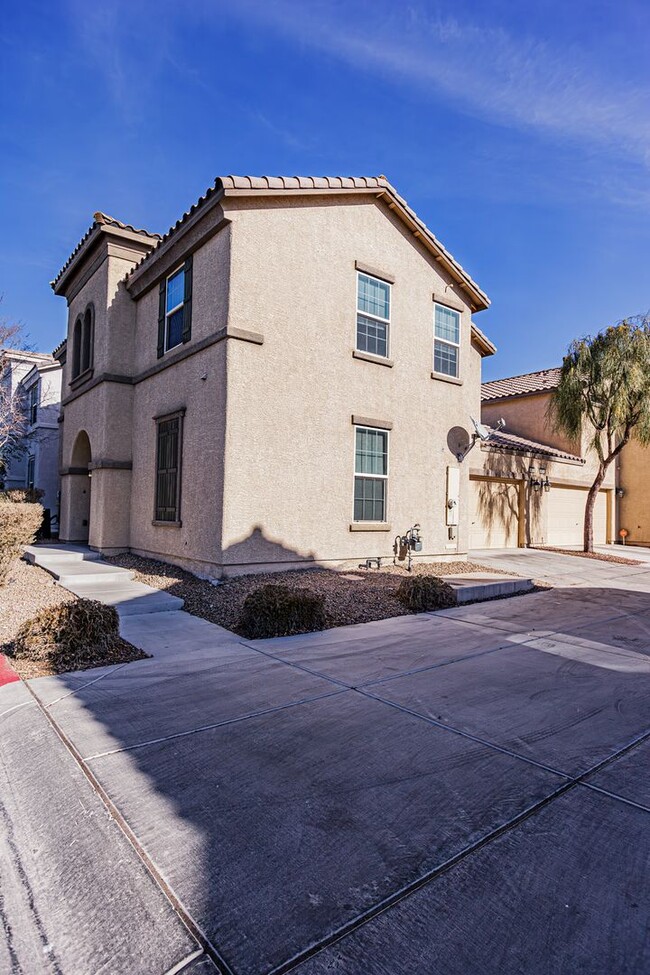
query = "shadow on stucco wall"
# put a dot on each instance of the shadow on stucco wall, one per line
(498, 501)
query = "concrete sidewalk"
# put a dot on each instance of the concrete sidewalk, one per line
(461, 791)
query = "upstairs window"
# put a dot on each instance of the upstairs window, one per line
(373, 315)
(83, 339)
(446, 342)
(33, 404)
(370, 474)
(175, 309)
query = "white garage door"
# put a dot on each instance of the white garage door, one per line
(566, 516)
(494, 514)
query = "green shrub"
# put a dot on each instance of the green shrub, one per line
(425, 593)
(69, 636)
(19, 523)
(274, 610)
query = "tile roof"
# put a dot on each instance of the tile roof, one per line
(509, 441)
(285, 185)
(530, 382)
(100, 220)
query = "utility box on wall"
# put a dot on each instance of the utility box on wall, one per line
(453, 495)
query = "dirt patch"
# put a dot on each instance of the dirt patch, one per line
(596, 556)
(28, 590)
(356, 596)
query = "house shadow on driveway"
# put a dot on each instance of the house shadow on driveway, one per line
(427, 789)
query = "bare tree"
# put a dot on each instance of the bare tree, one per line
(12, 406)
(604, 388)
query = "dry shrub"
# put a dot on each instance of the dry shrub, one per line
(19, 522)
(22, 495)
(274, 610)
(70, 636)
(425, 593)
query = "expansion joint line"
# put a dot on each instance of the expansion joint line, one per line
(186, 918)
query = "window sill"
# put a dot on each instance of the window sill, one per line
(369, 357)
(167, 524)
(454, 380)
(82, 378)
(369, 526)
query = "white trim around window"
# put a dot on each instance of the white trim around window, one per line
(446, 341)
(373, 315)
(370, 484)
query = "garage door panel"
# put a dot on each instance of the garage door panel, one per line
(566, 516)
(494, 514)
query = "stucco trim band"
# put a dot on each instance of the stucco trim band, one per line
(441, 377)
(65, 471)
(370, 526)
(369, 357)
(448, 302)
(227, 332)
(366, 421)
(374, 272)
(111, 465)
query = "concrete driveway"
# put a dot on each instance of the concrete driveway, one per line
(465, 792)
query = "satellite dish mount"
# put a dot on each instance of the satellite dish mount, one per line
(482, 433)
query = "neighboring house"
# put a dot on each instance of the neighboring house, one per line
(634, 496)
(275, 382)
(529, 483)
(35, 379)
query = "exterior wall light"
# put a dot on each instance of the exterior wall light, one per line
(620, 493)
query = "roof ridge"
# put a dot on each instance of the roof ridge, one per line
(521, 375)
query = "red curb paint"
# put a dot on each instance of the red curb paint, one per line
(7, 674)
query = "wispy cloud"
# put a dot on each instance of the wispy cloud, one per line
(490, 73)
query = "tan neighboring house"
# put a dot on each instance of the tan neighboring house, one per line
(529, 483)
(634, 501)
(275, 381)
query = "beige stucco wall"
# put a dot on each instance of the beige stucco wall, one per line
(268, 442)
(289, 438)
(634, 506)
(526, 416)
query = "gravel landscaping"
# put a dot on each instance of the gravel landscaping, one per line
(357, 596)
(28, 590)
(597, 556)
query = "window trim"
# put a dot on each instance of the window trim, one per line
(168, 314)
(356, 427)
(376, 318)
(455, 345)
(163, 418)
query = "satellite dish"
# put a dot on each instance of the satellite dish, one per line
(482, 432)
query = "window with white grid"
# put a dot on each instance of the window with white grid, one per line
(373, 315)
(446, 341)
(370, 474)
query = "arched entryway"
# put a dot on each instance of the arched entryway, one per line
(80, 482)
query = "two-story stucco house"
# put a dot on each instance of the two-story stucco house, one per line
(529, 482)
(34, 378)
(273, 382)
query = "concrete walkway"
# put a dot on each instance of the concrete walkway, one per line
(455, 792)
(82, 571)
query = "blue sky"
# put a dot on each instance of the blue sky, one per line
(520, 133)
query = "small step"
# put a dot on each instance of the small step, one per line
(128, 598)
(68, 572)
(474, 586)
(71, 553)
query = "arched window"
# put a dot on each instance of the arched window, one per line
(87, 343)
(76, 349)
